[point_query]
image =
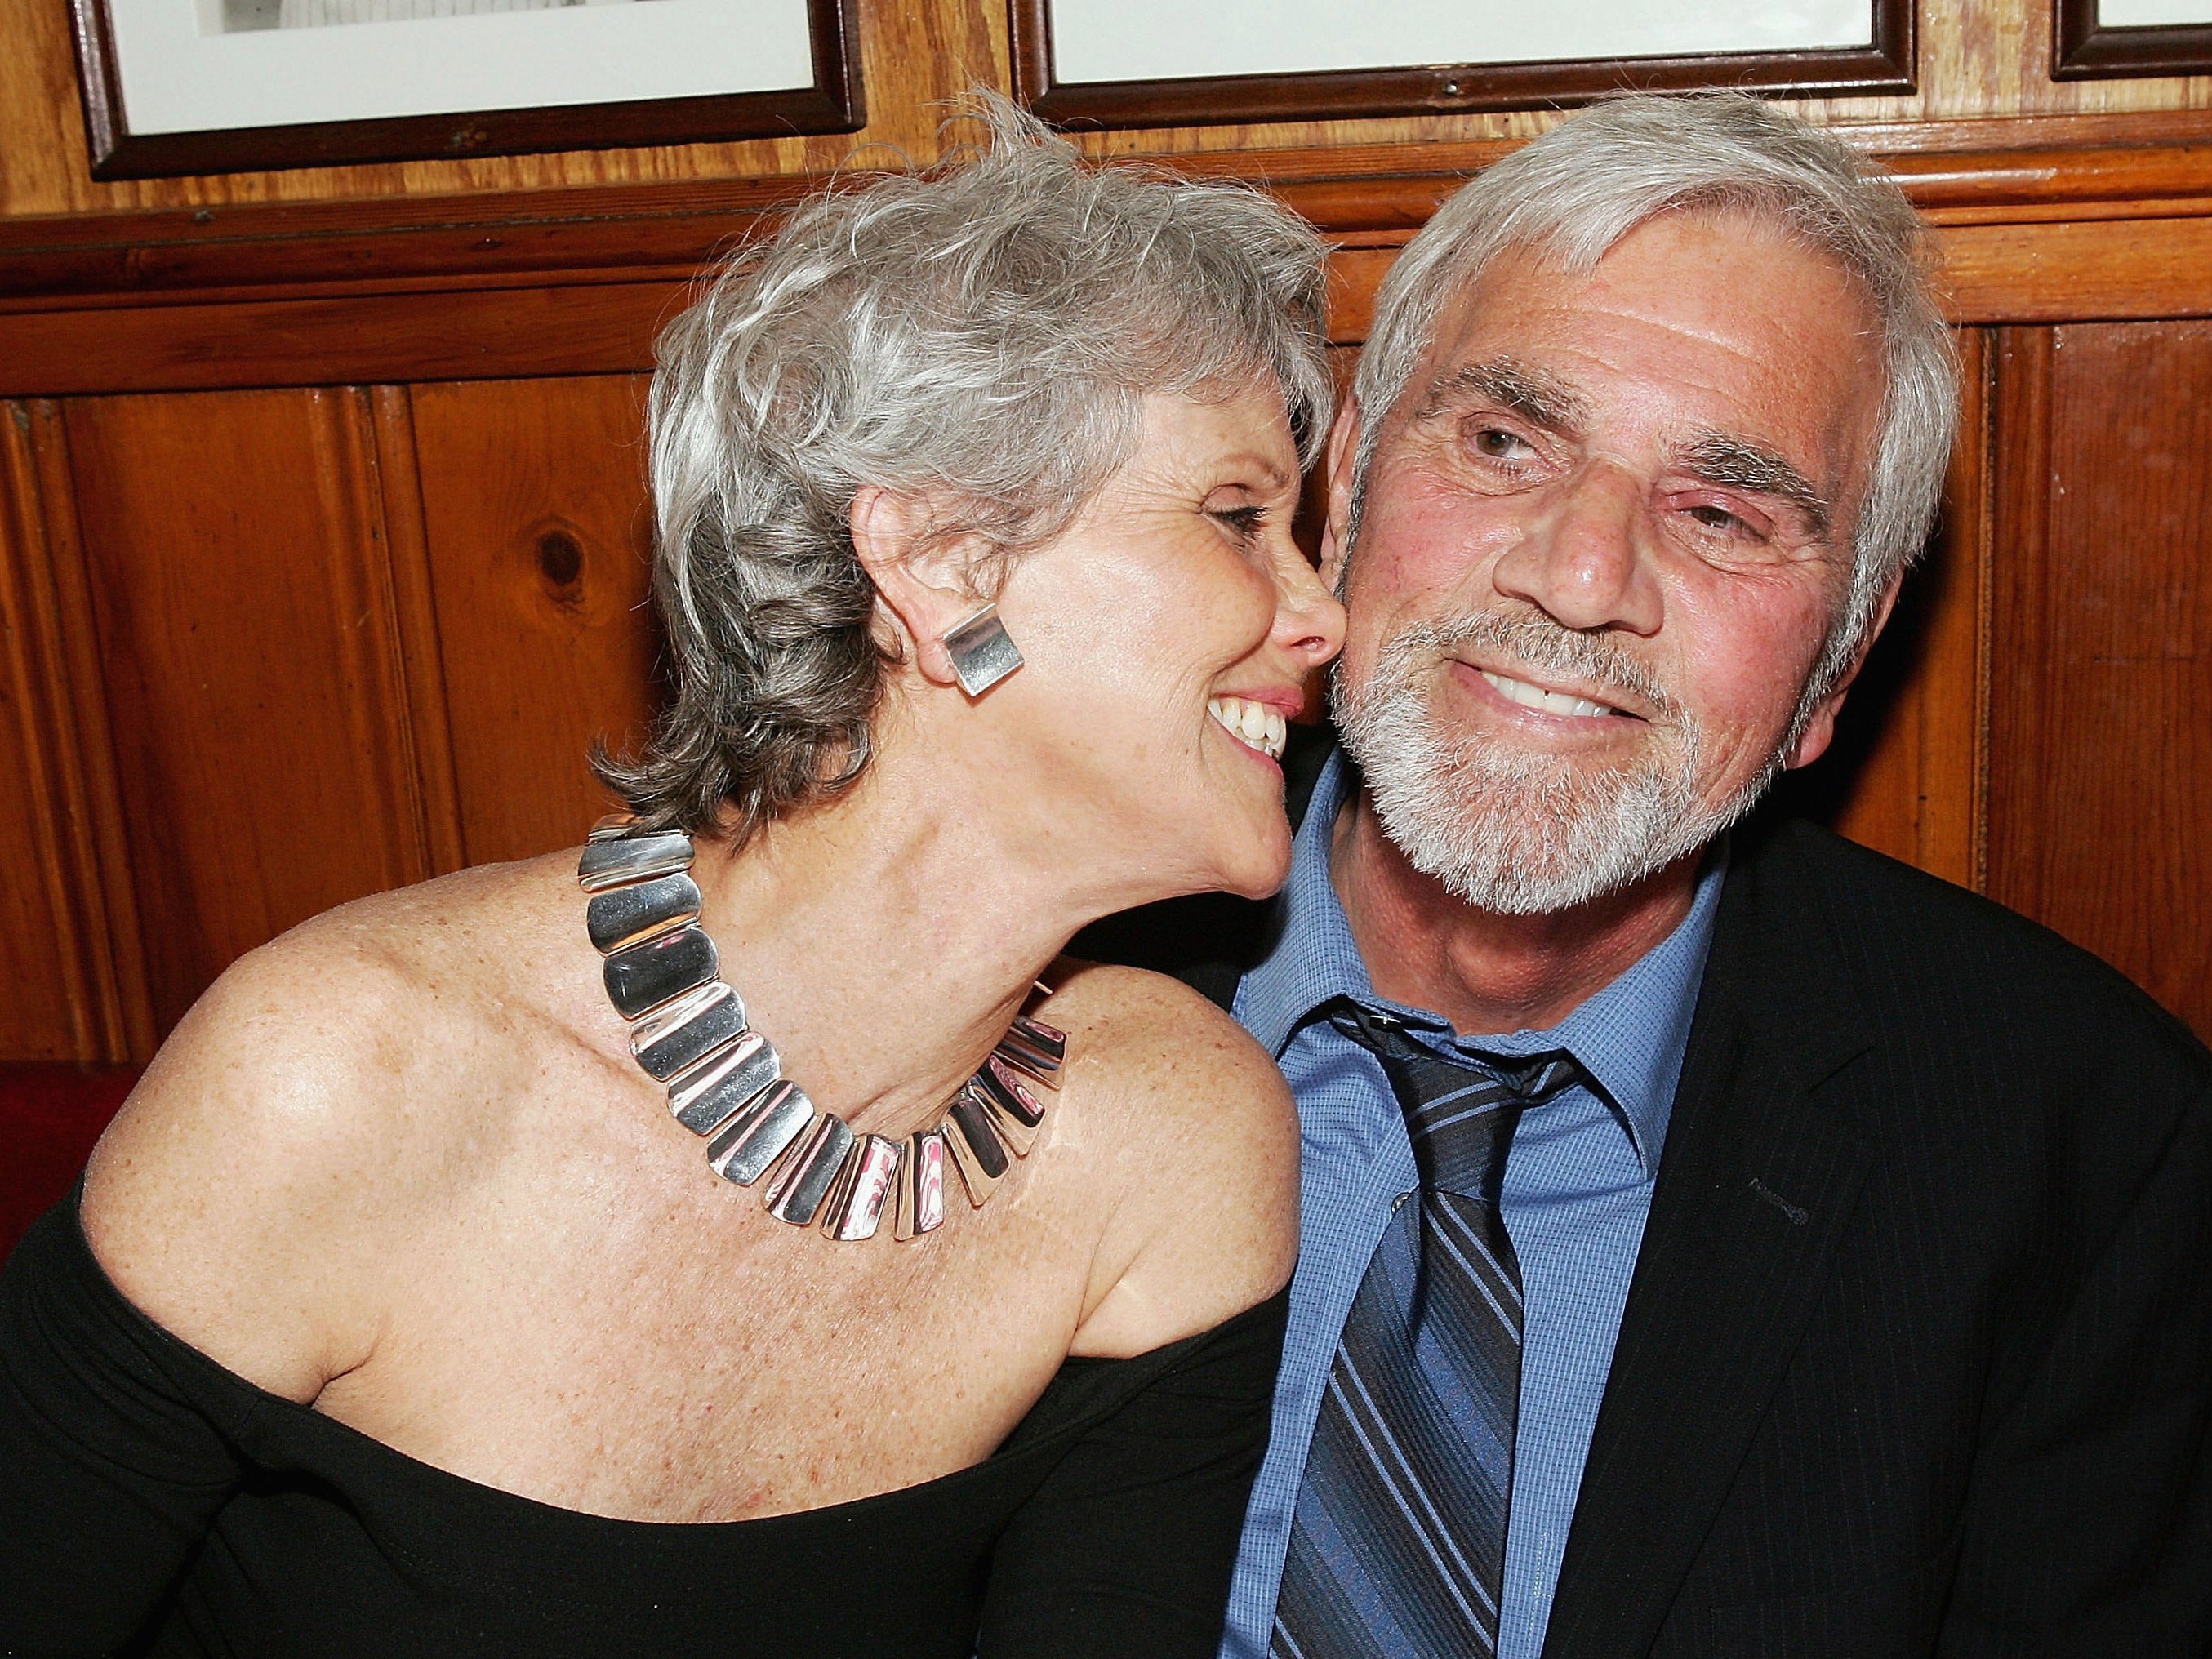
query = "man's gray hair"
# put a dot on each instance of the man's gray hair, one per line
(987, 333)
(1573, 193)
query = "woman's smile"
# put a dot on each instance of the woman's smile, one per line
(1254, 725)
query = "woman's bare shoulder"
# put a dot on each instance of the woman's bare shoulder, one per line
(1204, 1160)
(1162, 1051)
(240, 1195)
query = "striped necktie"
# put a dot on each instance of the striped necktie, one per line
(1397, 1548)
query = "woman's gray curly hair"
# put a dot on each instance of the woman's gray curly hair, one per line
(986, 333)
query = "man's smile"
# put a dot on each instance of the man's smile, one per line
(1532, 695)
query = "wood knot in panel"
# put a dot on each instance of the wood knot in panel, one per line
(558, 553)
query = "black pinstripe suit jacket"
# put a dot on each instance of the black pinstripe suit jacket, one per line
(1917, 1359)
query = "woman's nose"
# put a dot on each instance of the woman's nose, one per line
(1584, 556)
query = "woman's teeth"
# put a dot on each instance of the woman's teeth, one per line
(1253, 723)
(1534, 696)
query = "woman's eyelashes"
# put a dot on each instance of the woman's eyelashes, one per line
(1244, 521)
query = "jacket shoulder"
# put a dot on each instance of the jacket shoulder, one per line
(1921, 952)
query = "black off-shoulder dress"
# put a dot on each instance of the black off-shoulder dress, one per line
(152, 1502)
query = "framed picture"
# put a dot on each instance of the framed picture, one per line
(2093, 39)
(1169, 63)
(219, 86)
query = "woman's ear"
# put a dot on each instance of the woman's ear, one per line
(924, 579)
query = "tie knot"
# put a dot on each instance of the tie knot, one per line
(1460, 1113)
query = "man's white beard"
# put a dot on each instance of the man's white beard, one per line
(1519, 832)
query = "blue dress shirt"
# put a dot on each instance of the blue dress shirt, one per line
(1577, 1192)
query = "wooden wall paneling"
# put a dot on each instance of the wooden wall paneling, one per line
(1356, 270)
(418, 329)
(2148, 267)
(2020, 612)
(1954, 823)
(415, 615)
(87, 688)
(1980, 172)
(68, 949)
(1906, 774)
(553, 328)
(2100, 778)
(534, 503)
(1991, 273)
(245, 616)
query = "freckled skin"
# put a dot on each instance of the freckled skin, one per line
(1691, 325)
(401, 1165)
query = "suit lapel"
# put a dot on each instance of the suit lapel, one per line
(1761, 1167)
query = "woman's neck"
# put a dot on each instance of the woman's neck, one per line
(883, 941)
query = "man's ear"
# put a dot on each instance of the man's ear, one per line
(1820, 729)
(1336, 529)
(924, 579)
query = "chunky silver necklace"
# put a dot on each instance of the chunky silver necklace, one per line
(688, 1030)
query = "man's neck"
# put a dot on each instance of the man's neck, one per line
(1484, 972)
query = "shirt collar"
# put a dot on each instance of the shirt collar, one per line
(1630, 1037)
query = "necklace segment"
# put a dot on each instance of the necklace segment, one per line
(688, 1031)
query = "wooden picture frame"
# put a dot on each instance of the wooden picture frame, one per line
(832, 103)
(2083, 49)
(1887, 66)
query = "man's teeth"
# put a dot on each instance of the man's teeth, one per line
(1534, 696)
(1254, 723)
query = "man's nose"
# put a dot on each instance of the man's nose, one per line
(1584, 556)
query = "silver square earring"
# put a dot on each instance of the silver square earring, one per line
(981, 651)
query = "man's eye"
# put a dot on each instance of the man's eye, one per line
(1499, 444)
(1244, 522)
(1717, 517)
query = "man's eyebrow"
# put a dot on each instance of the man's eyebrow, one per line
(1740, 464)
(1541, 398)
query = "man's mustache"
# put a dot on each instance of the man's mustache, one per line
(1530, 639)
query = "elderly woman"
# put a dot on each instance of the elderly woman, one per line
(739, 1249)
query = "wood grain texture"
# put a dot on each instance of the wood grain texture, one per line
(407, 542)
(394, 331)
(2080, 270)
(247, 632)
(1986, 61)
(1981, 173)
(591, 328)
(76, 984)
(913, 56)
(2037, 269)
(2101, 712)
(534, 506)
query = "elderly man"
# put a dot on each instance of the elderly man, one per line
(1712, 1244)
